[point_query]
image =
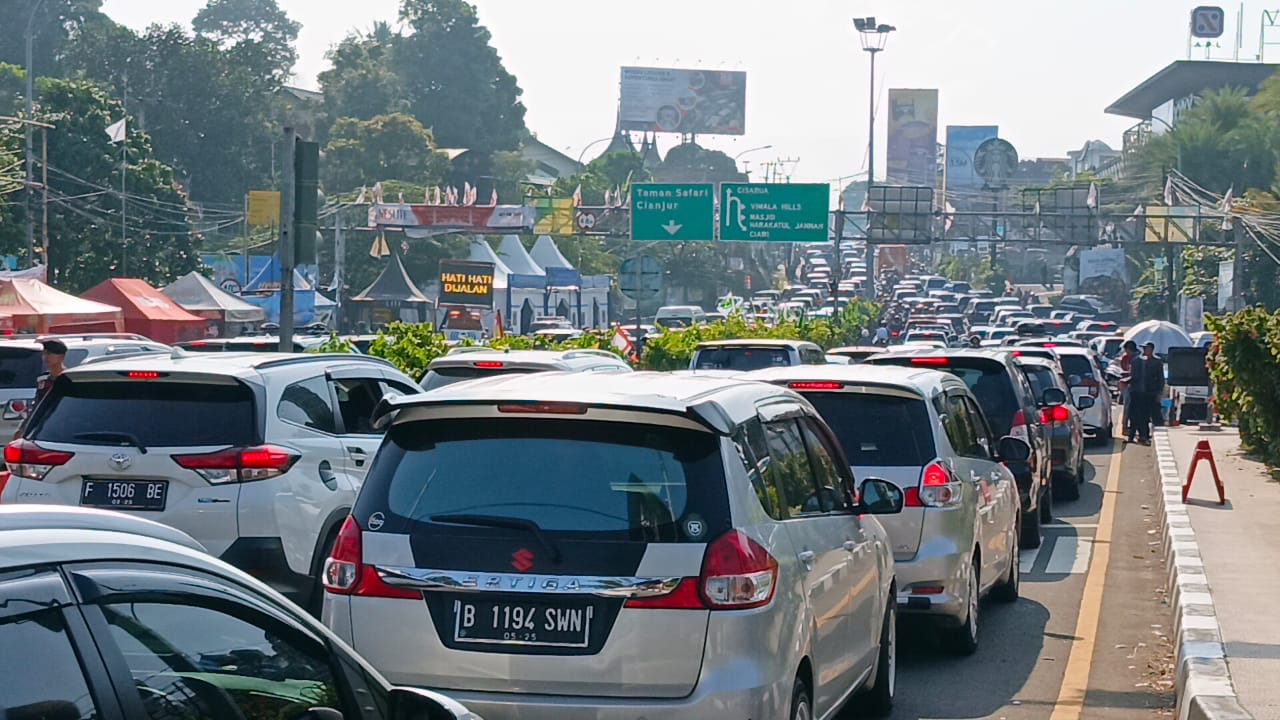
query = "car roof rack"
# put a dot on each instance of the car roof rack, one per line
(303, 358)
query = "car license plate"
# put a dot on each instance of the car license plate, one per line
(124, 494)
(514, 622)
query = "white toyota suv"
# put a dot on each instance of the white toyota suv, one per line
(258, 456)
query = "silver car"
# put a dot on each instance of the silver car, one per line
(573, 546)
(957, 539)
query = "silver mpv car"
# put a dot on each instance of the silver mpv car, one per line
(573, 546)
(957, 539)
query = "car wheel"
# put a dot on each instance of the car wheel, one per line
(1066, 486)
(963, 640)
(1046, 505)
(1011, 587)
(877, 700)
(1029, 538)
(801, 704)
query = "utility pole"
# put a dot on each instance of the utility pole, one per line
(873, 36)
(1237, 272)
(284, 251)
(339, 260)
(124, 171)
(31, 238)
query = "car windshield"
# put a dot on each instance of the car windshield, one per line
(742, 358)
(621, 480)
(1077, 365)
(156, 413)
(878, 430)
(19, 367)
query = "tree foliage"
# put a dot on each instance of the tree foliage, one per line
(1244, 363)
(54, 26)
(385, 147)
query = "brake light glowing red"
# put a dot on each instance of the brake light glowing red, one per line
(1050, 345)
(1018, 428)
(1055, 414)
(142, 375)
(544, 408)
(346, 574)
(28, 460)
(737, 574)
(240, 464)
(929, 361)
(815, 385)
(489, 364)
(934, 475)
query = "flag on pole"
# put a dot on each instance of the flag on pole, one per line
(379, 248)
(948, 219)
(466, 192)
(622, 343)
(498, 331)
(360, 199)
(117, 131)
(608, 197)
(1168, 190)
(1228, 204)
(1136, 212)
(617, 197)
(1036, 209)
(401, 198)
(493, 197)
(577, 195)
(377, 193)
(1092, 200)
(435, 195)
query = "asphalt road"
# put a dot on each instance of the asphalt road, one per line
(1090, 636)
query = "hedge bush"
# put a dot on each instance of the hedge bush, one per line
(1244, 363)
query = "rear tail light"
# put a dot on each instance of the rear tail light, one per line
(1091, 385)
(1055, 414)
(938, 488)
(28, 460)
(1018, 428)
(15, 409)
(544, 408)
(346, 574)
(929, 361)
(737, 574)
(815, 385)
(488, 364)
(240, 464)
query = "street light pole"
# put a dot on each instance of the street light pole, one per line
(31, 160)
(1171, 299)
(873, 36)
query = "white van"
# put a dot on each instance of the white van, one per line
(680, 316)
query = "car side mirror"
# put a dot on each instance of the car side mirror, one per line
(878, 497)
(1053, 396)
(418, 704)
(1012, 449)
(1085, 402)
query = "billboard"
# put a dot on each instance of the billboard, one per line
(913, 137)
(1103, 263)
(705, 102)
(962, 145)
(463, 282)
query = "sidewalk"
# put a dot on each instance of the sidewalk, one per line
(1239, 545)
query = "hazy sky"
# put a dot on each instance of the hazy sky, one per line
(1043, 70)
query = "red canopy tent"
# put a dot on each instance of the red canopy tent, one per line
(38, 308)
(148, 311)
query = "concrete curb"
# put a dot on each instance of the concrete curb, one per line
(1203, 679)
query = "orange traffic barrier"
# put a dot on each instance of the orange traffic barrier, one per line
(1204, 452)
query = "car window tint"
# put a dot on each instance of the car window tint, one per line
(826, 470)
(1040, 378)
(1077, 365)
(74, 357)
(157, 413)
(789, 469)
(750, 444)
(812, 356)
(307, 403)
(877, 430)
(190, 661)
(40, 676)
(980, 425)
(962, 433)
(631, 481)
(19, 367)
(439, 377)
(742, 358)
(357, 399)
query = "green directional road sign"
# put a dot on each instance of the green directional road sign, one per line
(673, 211)
(774, 212)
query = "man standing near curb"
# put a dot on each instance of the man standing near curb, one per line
(1126, 367)
(1145, 385)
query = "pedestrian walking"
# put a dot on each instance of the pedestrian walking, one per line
(1146, 386)
(1126, 362)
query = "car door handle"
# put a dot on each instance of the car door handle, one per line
(806, 557)
(358, 455)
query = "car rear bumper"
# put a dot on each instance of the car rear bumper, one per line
(941, 570)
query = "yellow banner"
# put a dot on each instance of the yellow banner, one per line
(1171, 224)
(264, 207)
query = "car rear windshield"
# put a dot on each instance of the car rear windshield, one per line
(155, 413)
(1040, 377)
(620, 481)
(742, 358)
(439, 377)
(988, 379)
(19, 367)
(878, 430)
(1077, 365)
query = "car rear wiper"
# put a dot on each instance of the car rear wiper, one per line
(499, 521)
(109, 435)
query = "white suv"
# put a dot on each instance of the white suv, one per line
(257, 456)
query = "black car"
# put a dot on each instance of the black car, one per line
(1012, 408)
(1090, 306)
(1061, 419)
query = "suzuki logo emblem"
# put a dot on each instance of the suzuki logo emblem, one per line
(121, 461)
(522, 560)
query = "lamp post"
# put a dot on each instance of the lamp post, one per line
(588, 146)
(744, 152)
(873, 36)
(31, 241)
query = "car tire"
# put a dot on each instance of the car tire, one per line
(1010, 589)
(1046, 505)
(1029, 537)
(1066, 486)
(876, 701)
(963, 640)
(801, 703)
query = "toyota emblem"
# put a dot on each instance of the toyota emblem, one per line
(121, 461)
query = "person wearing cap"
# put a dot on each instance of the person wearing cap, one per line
(1146, 383)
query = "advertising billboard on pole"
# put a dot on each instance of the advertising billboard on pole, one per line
(703, 102)
(962, 144)
(913, 137)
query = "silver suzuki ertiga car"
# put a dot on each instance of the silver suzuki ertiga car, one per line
(569, 546)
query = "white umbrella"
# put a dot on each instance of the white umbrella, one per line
(1164, 334)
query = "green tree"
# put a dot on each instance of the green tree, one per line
(84, 214)
(454, 79)
(253, 33)
(360, 82)
(53, 26)
(385, 147)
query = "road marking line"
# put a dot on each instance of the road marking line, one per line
(1075, 680)
(1027, 559)
(1070, 556)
